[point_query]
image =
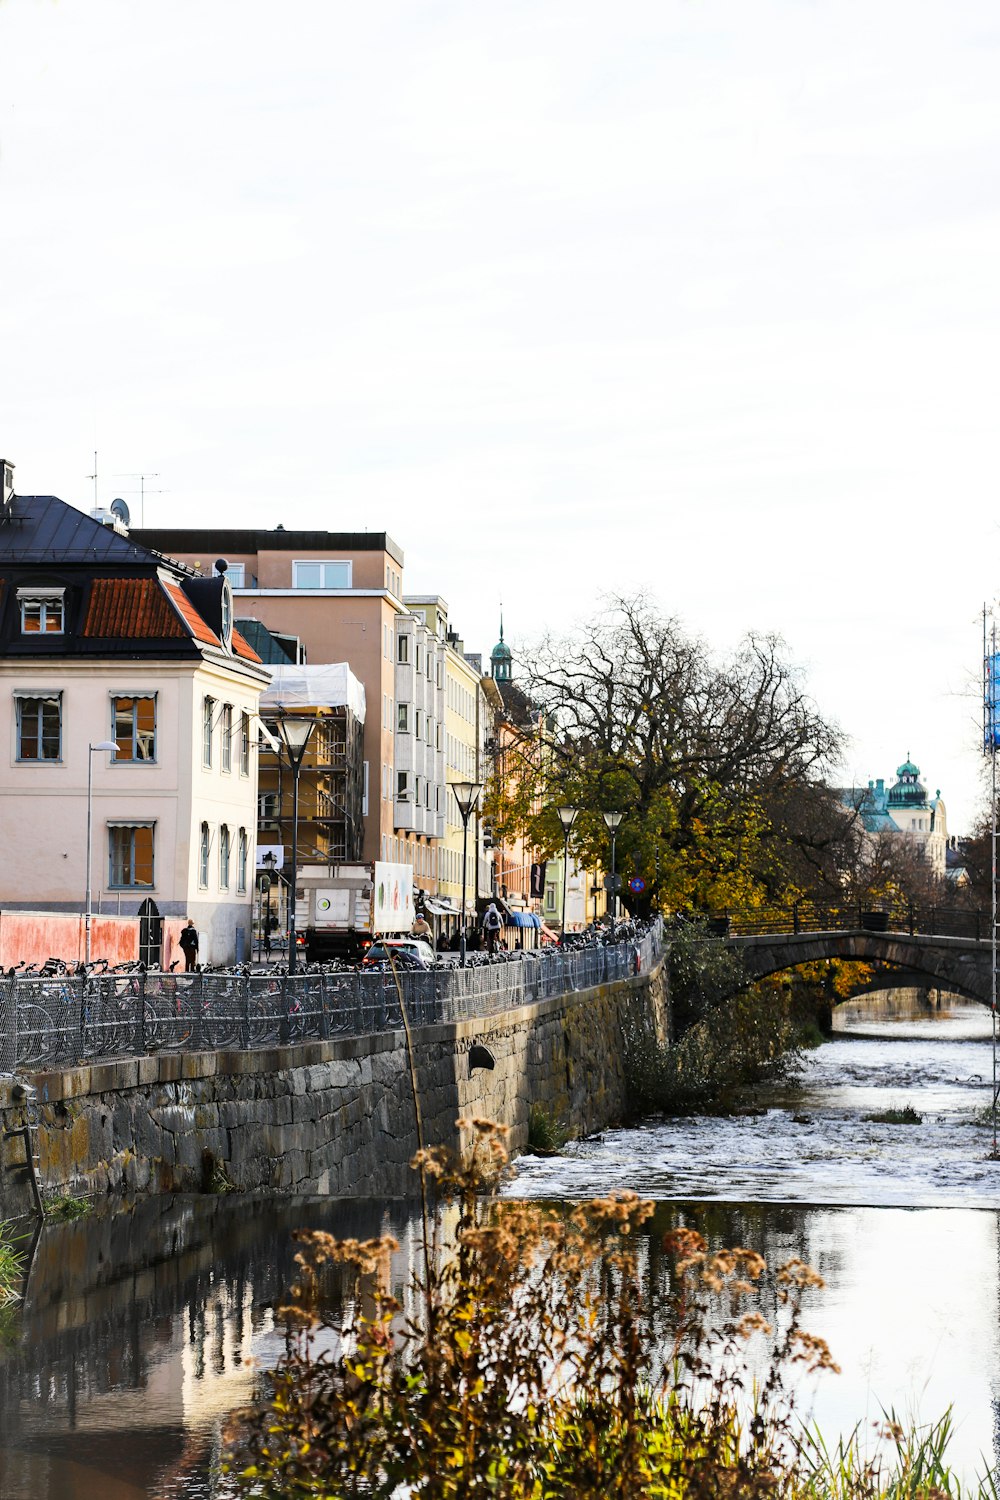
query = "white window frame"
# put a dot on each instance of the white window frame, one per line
(45, 600)
(225, 857)
(207, 730)
(242, 858)
(323, 563)
(226, 752)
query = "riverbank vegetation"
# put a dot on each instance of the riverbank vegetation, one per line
(545, 1354)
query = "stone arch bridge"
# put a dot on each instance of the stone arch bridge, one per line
(959, 964)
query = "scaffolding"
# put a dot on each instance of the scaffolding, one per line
(331, 791)
(991, 744)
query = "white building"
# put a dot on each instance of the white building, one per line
(102, 641)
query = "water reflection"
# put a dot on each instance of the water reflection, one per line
(138, 1327)
(138, 1335)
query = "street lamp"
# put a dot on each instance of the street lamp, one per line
(110, 746)
(466, 795)
(612, 819)
(295, 734)
(567, 817)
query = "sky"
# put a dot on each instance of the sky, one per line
(698, 299)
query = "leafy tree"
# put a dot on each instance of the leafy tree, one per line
(716, 765)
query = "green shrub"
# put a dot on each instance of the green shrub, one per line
(546, 1134)
(67, 1207)
(907, 1115)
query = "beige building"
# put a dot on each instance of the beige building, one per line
(341, 594)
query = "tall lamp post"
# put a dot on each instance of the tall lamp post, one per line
(295, 734)
(567, 817)
(466, 795)
(111, 747)
(612, 819)
(265, 882)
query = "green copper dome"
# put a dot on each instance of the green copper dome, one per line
(501, 656)
(908, 791)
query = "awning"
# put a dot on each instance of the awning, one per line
(522, 919)
(440, 908)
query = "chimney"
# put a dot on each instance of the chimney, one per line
(7, 495)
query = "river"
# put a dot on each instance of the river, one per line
(141, 1329)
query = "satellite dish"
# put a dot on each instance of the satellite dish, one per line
(120, 509)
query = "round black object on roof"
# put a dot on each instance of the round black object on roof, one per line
(221, 565)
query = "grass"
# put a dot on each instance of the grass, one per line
(546, 1134)
(907, 1115)
(11, 1267)
(63, 1209)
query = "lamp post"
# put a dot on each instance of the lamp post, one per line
(111, 747)
(612, 819)
(567, 817)
(295, 734)
(466, 795)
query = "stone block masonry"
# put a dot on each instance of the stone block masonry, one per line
(331, 1117)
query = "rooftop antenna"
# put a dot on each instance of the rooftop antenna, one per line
(94, 478)
(991, 744)
(142, 491)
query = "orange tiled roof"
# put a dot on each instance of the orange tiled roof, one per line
(242, 648)
(130, 609)
(192, 619)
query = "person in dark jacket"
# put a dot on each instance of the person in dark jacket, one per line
(189, 945)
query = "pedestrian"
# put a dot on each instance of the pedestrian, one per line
(491, 927)
(189, 945)
(267, 943)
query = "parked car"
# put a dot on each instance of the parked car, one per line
(411, 953)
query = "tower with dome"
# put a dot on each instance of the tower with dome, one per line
(906, 809)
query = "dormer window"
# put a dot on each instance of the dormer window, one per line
(42, 611)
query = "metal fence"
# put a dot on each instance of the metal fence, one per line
(67, 1019)
(805, 916)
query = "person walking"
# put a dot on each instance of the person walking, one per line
(189, 945)
(491, 927)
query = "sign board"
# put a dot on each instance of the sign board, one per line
(392, 906)
(612, 882)
(637, 885)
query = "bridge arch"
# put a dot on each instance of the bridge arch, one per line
(960, 965)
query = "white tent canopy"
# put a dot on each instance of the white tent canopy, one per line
(329, 685)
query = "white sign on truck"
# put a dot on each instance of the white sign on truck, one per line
(347, 907)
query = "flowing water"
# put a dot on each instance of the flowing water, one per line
(141, 1329)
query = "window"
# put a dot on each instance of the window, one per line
(403, 784)
(403, 648)
(321, 575)
(41, 611)
(133, 727)
(403, 717)
(227, 736)
(416, 722)
(224, 849)
(208, 712)
(39, 728)
(130, 855)
(204, 847)
(416, 660)
(236, 573)
(244, 744)
(242, 847)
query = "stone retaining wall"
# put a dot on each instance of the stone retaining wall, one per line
(331, 1117)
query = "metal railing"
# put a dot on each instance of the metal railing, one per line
(807, 916)
(63, 1020)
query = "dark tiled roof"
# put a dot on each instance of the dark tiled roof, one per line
(260, 639)
(211, 543)
(44, 529)
(130, 609)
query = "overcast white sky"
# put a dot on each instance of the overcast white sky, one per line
(699, 297)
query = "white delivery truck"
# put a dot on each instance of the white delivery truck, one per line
(342, 909)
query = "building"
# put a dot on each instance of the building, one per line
(417, 775)
(339, 594)
(905, 810)
(101, 641)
